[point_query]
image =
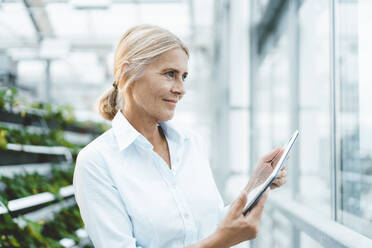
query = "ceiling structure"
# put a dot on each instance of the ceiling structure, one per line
(70, 44)
(93, 25)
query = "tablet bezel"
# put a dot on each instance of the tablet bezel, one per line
(251, 203)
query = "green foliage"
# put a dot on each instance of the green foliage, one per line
(59, 228)
(11, 235)
(56, 116)
(3, 140)
(100, 127)
(26, 184)
(22, 136)
(41, 234)
(7, 98)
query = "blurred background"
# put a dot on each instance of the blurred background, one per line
(259, 69)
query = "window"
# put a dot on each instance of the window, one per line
(314, 106)
(354, 120)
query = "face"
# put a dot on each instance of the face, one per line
(155, 95)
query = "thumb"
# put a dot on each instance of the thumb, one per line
(256, 212)
(268, 157)
(240, 202)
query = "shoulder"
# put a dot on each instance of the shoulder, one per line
(91, 166)
(95, 150)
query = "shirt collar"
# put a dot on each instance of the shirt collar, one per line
(173, 133)
(126, 134)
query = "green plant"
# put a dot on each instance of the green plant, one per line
(3, 140)
(22, 136)
(63, 222)
(11, 235)
(57, 116)
(8, 98)
(26, 184)
(41, 234)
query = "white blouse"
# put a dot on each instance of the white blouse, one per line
(128, 196)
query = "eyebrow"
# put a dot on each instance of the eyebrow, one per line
(173, 69)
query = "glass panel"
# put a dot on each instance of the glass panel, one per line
(275, 229)
(108, 24)
(15, 25)
(314, 159)
(353, 54)
(31, 73)
(308, 242)
(259, 8)
(75, 25)
(160, 14)
(272, 115)
(239, 54)
(272, 128)
(239, 137)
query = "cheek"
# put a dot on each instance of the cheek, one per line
(150, 96)
(159, 91)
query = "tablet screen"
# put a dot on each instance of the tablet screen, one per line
(256, 193)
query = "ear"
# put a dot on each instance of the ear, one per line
(123, 69)
(129, 86)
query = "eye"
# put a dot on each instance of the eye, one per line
(170, 74)
(184, 76)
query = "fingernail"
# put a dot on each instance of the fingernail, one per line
(242, 193)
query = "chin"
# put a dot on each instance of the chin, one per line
(166, 116)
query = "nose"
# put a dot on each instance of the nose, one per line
(178, 88)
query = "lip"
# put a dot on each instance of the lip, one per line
(172, 102)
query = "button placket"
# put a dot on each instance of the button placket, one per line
(170, 177)
(170, 180)
(190, 225)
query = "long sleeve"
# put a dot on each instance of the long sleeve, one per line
(223, 209)
(102, 209)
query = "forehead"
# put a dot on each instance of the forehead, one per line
(175, 58)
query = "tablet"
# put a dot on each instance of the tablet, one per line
(257, 192)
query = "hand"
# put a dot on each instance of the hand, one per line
(263, 169)
(236, 227)
(281, 179)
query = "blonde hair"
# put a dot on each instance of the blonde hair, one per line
(138, 47)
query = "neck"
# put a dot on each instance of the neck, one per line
(146, 126)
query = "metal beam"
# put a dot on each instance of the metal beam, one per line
(269, 22)
(33, 20)
(39, 18)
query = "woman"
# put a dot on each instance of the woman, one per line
(145, 182)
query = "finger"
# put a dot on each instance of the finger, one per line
(281, 174)
(279, 182)
(277, 158)
(273, 186)
(276, 183)
(269, 157)
(284, 167)
(238, 205)
(257, 210)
